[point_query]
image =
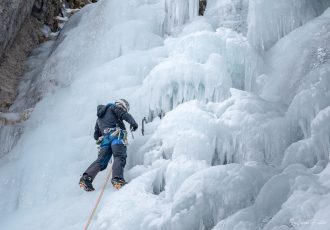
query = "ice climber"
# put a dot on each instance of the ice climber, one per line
(110, 132)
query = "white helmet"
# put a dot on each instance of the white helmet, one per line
(123, 104)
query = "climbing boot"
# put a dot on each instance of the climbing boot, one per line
(118, 183)
(86, 183)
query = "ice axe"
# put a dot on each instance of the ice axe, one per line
(132, 132)
(144, 120)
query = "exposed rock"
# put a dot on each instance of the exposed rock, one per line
(12, 16)
(15, 118)
(12, 65)
(46, 11)
(79, 3)
(12, 121)
(20, 23)
(20, 32)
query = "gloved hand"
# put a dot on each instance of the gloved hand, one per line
(99, 141)
(134, 127)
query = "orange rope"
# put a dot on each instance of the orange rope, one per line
(99, 198)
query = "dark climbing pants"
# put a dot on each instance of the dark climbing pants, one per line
(119, 161)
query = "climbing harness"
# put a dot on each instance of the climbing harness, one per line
(99, 198)
(99, 140)
(117, 132)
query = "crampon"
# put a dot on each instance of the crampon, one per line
(86, 183)
(118, 183)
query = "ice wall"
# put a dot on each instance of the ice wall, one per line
(179, 12)
(228, 13)
(201, 64)
(314, 150)
(77, 71)
(254, 157)
(270, 20)
(299, 76)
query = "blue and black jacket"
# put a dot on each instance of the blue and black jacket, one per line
(111, 116)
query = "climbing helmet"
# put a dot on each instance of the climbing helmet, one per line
(123, 103)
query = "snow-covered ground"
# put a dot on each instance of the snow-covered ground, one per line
(245, 140)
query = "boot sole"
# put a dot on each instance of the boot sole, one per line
(84, 187)
(117, 186)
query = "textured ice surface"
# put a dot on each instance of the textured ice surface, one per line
(270, 20)
(303, 57)
(200, 65)
(228, 13)
(178, 13)
(244, 143)
(315, 149)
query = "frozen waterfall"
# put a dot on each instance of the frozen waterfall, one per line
(245, 141)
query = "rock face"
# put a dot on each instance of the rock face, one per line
(12, 64)
(46, 11)
(79, 3)
(20, 32)
(20, 23)
(12, 16)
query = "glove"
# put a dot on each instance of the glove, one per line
(99, 141)
(134, 127)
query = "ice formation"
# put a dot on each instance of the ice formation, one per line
(228, 13)
(178, 13)
(245, 140)
(270, 20)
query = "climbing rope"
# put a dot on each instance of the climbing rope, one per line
(99, 198)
